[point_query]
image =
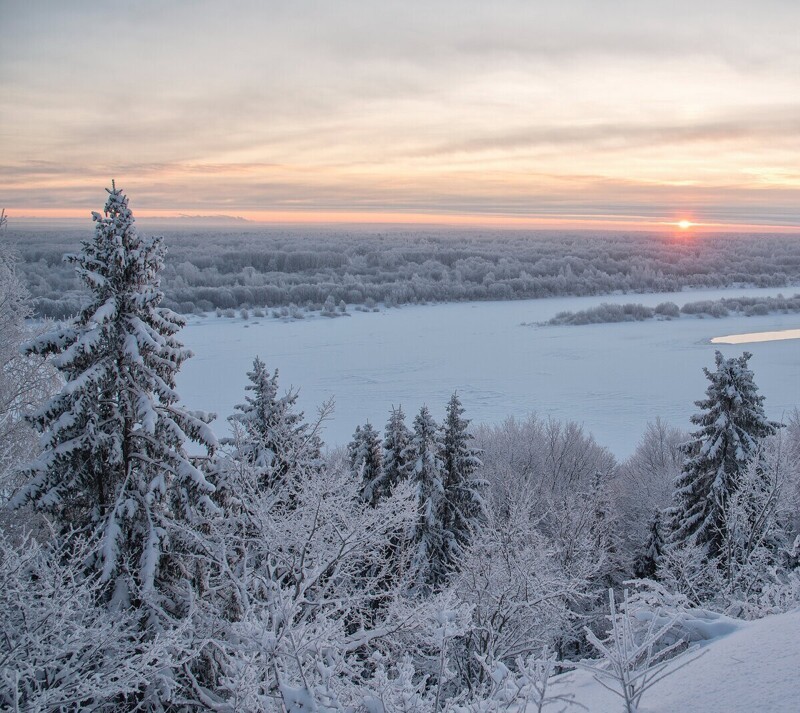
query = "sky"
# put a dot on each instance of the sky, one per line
(596, 114)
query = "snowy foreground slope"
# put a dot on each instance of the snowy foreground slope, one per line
(752, 670)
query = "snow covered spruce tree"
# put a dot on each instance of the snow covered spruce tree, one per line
(364, 453)
(271, 437)
(113, 464)
(396, 440)
(732, 427)
(463, 491)
(431, 536)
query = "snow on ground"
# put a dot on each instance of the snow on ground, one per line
(753, 670)
(752, 337)
(612, 378)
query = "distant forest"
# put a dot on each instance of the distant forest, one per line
(293, 271)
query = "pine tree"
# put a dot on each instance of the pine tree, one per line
(273, 438)
(114, 463)
(431, 537)
(649, 558)
(463, 498)
(364, 453)
(732, 427)
(396, 466)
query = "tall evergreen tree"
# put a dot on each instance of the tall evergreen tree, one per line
(396, 466)
(431, 536)
(364, 452)
(114, 463)
(732, 426)
(463, 491)
(273, 437)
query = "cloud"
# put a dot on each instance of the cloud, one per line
(455, 105)
(768, 128)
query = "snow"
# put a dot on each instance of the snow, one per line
(612, 378)
(754, 668)
(751, 337)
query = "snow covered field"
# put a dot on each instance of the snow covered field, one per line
(612, 378)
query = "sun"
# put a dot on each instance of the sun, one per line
(685, 224)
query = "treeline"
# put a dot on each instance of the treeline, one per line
(302, 268)
(433, 567)
(635, 312)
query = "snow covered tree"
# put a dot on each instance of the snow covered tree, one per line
(60, 648)
(271, 436)
(757, 516)
(396, 439)
(329, 308)
(114, 464)
(645, 482)
(463, 491)
(310, 595)
(732, 427)
(519, 593)
(364, 453)
(649, 558)
(25, 381)
(431, 536)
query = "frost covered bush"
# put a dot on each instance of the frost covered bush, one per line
(709, 307)
(521, 595)
(549, 550)
(781, 594)
(652, 605)
(529, 687)
(25, 381)
(605, 313)
(60, 649)
(319, 598)
(634, 657)
(668, 309)
(329, 308)
(748, 306)
(757, 310)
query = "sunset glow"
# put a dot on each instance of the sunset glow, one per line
(517, 115)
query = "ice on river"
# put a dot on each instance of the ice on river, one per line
(612, 378)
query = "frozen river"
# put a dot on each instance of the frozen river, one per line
(612, 378)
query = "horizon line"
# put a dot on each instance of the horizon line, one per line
(388, 218)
